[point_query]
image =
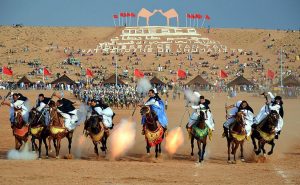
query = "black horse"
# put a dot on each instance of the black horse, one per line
(154, 132)
(95, 129)
(264, 132)
(38, 130)
(199, 131)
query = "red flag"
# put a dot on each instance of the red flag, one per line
(198, 16)
(223, 74)
(132, 14)
(188, 15)
(207, 17)
(128, 14)
(122, 14)
(270, 74)
(46, 72)
(138, 73)
(7, 71)
(115, 16)
(181, 73)
(89, 73)
(192, 16)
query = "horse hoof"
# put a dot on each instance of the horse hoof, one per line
(257, 152)
(192, 154)
(270, 153)
(229, 162)
(47, 157)
(242, 159)
(233, 162)
(40, 158)
(57, 157)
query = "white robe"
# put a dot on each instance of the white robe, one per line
(106, 115)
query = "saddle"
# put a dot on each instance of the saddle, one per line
(154, 137)
(236, 135)
(35, 131)
(21, 132)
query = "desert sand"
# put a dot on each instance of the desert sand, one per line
(135, 168)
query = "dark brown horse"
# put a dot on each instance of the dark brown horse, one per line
(199, 131)
(95, 129)
(265, 133)
(38, 130)
(154, 132)
(236, 136)
(20, 129)
(58, 130)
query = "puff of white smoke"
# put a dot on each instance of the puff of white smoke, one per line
(191, 97)
(143, 86)
(82, 112)
(23, 154)
(122, 138)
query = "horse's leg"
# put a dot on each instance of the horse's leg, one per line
(272, 147)
(199, 150)
(192, 145)
(148, 148)
(33, 143)
(49, 143)
(17, 144)
(257, 152)
(228, 149)
(235, 146)
(96, 148)
(263, 148)
(203, 149)
(156, 151)
(242, 151)
(159, 148)
(69, 136)
(103, 141)
(253, 141)
(46, 146)
(40, 146)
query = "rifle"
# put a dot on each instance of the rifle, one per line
(226, 111)
(8, 94)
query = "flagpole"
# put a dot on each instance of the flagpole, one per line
(114, 21)
(44, 75)
(116, 63)
(203, 23)
(281, 83)
(186, 20)
(126, 19)
(119, 20)
(190, 22)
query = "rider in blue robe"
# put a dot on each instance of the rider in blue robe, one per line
(158, 107)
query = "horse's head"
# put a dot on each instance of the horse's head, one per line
(94, 124)
(240, 118)
(145, 110)
(272, 119)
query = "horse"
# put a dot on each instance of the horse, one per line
(58, 130)
(235, 137)
(38, 130)
(20, 129)
(95, 129)
(264, 132)
(154, 132)
(199, 131)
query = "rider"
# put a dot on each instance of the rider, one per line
(157, 106)
(275, 104)
(202, 105)
(66, 108)
(19, 102)
(249, 114)
(42, 107)
(231, 116)
(98, 107)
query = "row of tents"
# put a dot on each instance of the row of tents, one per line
(289, 81)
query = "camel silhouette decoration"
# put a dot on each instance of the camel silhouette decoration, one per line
(170, 14)
(147, 14)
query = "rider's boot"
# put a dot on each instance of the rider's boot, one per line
(225, 131)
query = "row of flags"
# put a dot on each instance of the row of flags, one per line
(137, 73)
(197, 16)
(124, 14)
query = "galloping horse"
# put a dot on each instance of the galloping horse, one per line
(57, 129)
(154, 132)
(95, 129)
(199, 131)
(38, 130)
(20, 129)
(265, 133)
(236, 136)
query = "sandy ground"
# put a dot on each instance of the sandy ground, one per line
(135, 168)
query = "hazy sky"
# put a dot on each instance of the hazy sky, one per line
(268, 14)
